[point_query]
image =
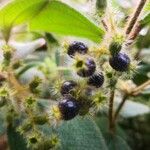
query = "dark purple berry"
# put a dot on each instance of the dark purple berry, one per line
(120, 62)
(96, 80)
(67, 86)
(77, 47)
(86, 68)
(69, 108)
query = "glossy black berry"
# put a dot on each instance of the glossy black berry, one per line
(96, 80)
(120, 62)
(86, 68)
(77, 47)
(69, 108)
(67, 86)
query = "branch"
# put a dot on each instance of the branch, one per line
(120, 107)
(111, 103)
(138, 89)
(104, 24)
(135, 32)
(135, 92)
(135, 16)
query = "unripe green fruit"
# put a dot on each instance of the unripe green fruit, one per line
(116, 44)
(115, 48)
(33, 140)
(2, 102)
(40, 120)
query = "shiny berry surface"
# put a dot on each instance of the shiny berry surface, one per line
(89, 68)
(69, 108)
(77, 47)
(120, 62)
(96, 80)
(67, 86)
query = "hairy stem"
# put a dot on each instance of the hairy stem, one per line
(120, 106)
(135, 16)
(111, 103)
(135, 32)
(104, 24)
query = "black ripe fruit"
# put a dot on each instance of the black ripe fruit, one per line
(96, 80)
(69, 108)
(67, 86)
(77, 47)
(120, 62)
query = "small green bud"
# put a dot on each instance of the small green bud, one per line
(48, 143)
(40, 120)
(34, 85)
(85, 105)
(17, 64)
(3, 101)
(115, 48)
(33, 140)
(7, 53)
(30, 102)
(109, 74)
(25, 127)
(4, 92)
(116, 44)
(101, 6)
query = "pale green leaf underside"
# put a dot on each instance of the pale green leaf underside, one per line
(49, 16)
(132, 109)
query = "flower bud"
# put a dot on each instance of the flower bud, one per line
(101, 6)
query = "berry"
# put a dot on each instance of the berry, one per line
(69, 108)
(120, 62)
(96, 80)
(77, 47)
(87, 68)
(67, 86)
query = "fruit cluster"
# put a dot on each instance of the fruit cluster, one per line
(86, 68)
(71, 104)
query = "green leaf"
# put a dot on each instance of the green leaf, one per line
(78, 134)
(15, 140)
(49, 16)
(81, 134)
(59, 18)
(117, 143)
(103, 124)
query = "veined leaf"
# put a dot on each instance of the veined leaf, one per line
(59, 18)
(49, 16)
(81, 134)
